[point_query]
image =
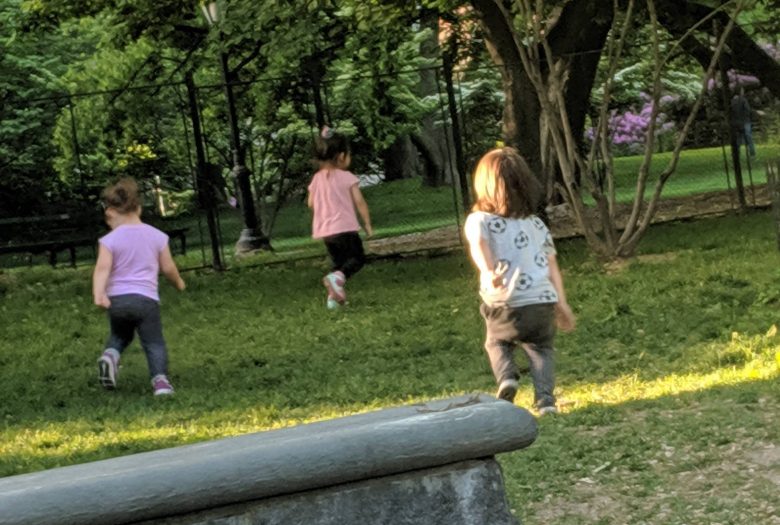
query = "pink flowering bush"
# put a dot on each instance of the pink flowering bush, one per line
(628, 129)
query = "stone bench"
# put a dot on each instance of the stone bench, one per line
(423, 464)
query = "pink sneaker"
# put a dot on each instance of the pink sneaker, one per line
(161, 385)
(108, 368)
(334, 282)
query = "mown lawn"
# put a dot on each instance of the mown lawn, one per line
(668, 387)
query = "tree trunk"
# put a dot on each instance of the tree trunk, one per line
(520, 123)
(580, 33)
(400, 159)
(433, 174)
(582, 25)
(432, 142)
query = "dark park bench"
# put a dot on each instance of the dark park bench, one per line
(65, 232)
(50, 234)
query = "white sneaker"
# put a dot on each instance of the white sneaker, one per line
(332, 304)
(550, 409)
(334, 282)
(507, 390)
(108, 368)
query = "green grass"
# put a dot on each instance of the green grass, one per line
(668, 387)
(698, 171)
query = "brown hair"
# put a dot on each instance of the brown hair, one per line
(122, 195)
(329, 144)
(504, 184)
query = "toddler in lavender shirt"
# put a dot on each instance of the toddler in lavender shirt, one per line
(125, 284)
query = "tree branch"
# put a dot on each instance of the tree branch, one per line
(678, 17)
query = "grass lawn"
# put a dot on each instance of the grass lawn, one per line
(669, 387)
(698, 171)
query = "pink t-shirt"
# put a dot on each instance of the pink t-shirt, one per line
(136, 252)
(334, 211)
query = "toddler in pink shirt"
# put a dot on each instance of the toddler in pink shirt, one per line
(334, 195)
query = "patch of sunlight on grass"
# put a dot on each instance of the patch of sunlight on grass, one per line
(631, 388)
(57, 440)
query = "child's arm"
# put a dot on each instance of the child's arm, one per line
(362, 208)
(563, 313)
(310, 200)
(483, 259)
(479, 248)
(100, 277)
(480, 254)
(169, 270)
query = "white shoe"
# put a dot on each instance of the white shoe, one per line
(332, 304)
(108, 368)
(507, 390)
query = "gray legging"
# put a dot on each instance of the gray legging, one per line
(533, 327)
(133, 312)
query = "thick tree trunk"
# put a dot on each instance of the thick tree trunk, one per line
(432, 142)
(578, 34)
(743, 53)
(400, 159)
(433, 169)
(521, 107)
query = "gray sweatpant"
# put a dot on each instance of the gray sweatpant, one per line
(532, 327)
(134, 312)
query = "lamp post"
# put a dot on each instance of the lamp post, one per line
(251, 237)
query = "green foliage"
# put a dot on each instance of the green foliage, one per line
(133, 133)
(32, 64)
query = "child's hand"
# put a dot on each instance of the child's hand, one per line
(497, 275)
(564, 317)
(180, 284)
(369, 230)
(103, 301)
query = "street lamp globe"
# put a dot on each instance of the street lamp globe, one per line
(210, 12)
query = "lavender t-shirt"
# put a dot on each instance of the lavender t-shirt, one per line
(136, 252)
(334, 211)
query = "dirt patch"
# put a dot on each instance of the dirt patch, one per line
(741, 488)
(563, 224)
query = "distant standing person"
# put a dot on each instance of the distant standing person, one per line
(520, 283)
(125, 284)
(334, 195)
(740, 121)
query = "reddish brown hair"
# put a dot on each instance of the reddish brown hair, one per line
(505, 185)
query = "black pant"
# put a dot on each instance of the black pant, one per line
(533, 328)
(346, 252)
(133, 312)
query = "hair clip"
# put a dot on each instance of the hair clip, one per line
(326, 132)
